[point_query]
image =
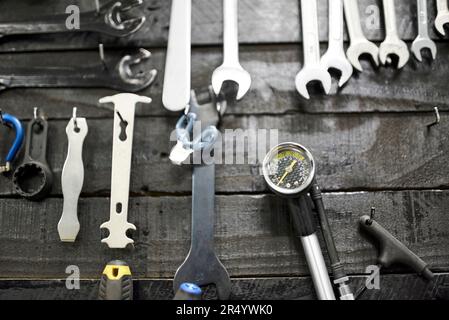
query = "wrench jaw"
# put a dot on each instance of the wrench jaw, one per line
(441, 20)
(421, 44)
(394, 47)
(131, 80)
(119, 239)
(227, 73)
(212, 272)
(356, 50)
(118, 25)
(309, 74)
(331, 60)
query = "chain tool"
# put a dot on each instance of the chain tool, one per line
(118, 225)
(33, 179)
(72, 178)
(11, 121)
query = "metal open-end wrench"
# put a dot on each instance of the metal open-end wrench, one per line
(231, 70)
(442, 17)
(312, 70)
(176, 91)
(335, 56)
(109, 19)
(423, 40)
(392, 45)
(118, 75)
(359, 43)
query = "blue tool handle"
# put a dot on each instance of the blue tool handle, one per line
(20, 134)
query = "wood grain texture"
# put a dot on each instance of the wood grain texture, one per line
(393, 287)
(263, 21)
(418, 87)
(353, 152)
(254, 236)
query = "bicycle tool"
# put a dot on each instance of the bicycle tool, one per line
(11, 121)
(116, 282)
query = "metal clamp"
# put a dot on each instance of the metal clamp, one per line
(12, 121)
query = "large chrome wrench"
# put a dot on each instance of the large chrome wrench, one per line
(359, 43)
(442, 16)
(176, 91)
(312, 70)
(423, 40)
(231, 70)
(392, 44)
(118, 225)
(335, 56)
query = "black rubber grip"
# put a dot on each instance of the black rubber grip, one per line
(302, 216)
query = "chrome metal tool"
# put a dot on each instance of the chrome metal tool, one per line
(118, 225)
(423, 40)
(442, 18)
(72, 178)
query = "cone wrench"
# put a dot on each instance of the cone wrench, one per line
(231, 70)
(335, 56)
(392, 44)
(442, 16)
(312, 70)
(359, 43)
(423, 40)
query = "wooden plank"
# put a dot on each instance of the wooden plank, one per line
(353, 152)
(262, 22)
(254, 236)
(418, 87)
(393, 287)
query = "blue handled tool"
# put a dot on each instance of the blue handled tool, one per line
(11, 121)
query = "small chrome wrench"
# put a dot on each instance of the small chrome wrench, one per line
(231, 70)
(124, 110)
(359, 43)
(392, 45)
(176, 91)
(72, 178)
(335, 56)
(442, 17)
(312, 69)
(423, 40)
(109, 19)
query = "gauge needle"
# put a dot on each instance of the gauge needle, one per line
(287, 171)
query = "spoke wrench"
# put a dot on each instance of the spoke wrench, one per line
(33, 179)
(116, 75)
(11, 121)
(108, 19)
(124, 111)
(202, 267)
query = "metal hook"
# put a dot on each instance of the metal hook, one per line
(371, 216)
(97, 6)
(101, 53)
(437, 118)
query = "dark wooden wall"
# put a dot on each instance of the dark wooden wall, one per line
(370, 140)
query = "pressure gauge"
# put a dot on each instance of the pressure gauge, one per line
(289, 169)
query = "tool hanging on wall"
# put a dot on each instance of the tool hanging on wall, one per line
(289, 170)
(118, 225)
(176, 91)
(231, 69)
(423, 40)
(112, 18)
(116, 282)
(11, 121)
(442, 18)
(359, 44)
(391, 250)
(312, 69)
(392, 45)
(33, 179)
(72, 178)
(201, 266)
(113, 74)
(335, 57)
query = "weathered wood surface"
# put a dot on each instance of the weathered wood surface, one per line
(418, 87)
(353, 152)
(261, 21)
(399, 287)
(254, 236)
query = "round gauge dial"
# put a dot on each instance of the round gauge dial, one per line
(289, 169)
